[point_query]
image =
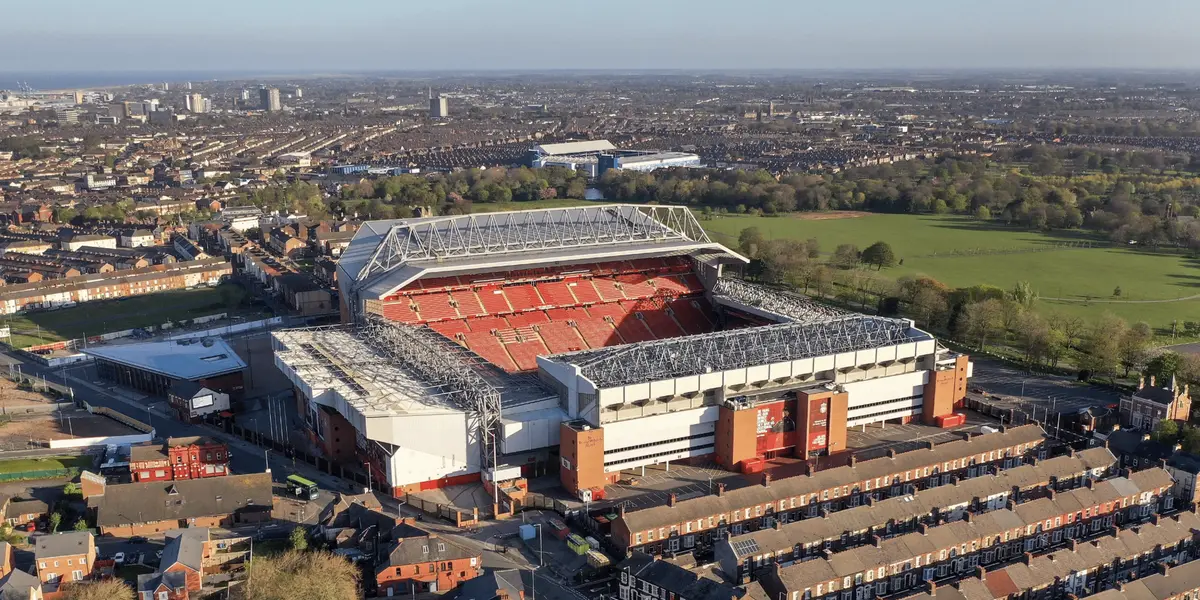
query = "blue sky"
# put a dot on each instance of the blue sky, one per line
(356, 35)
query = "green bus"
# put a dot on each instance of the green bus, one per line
(301, 487)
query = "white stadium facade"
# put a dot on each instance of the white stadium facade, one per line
(588, 340)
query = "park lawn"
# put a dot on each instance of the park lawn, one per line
(95, 318)
(49, 463)
(1060, 268)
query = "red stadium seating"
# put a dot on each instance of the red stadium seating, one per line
(400, 311)
(449, 328)
(489, 323)
(693, 283)
(607, 289)
(527, 318)
(489, 347)
(632, 329)
(435, 306)
(560, 337)
(566, 314)
(692, 319)
(494, 301)
(614, 310)
(525, 353)
(647, 264)
(597, 333)
(670, 285)
(523, 297)
(436, 283)
(468, 303)
(635, 286)
(556, 293)
(661, 324)
(584, 291)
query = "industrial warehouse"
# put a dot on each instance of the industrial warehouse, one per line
(594, 157)
(595, 339)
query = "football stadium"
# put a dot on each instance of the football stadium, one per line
(589, 340)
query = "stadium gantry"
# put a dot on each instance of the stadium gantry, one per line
(460, 236)
(785, 304)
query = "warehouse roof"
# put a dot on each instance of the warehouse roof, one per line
(179, 359)
(575, 147)
(804, 485)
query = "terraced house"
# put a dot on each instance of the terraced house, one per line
(698, 523)
(786, 541)
(903, 563)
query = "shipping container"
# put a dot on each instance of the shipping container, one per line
(559, 529)
(577, 544)
(597, 559)
(528, 532)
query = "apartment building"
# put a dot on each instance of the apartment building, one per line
(902, 563)
(783, 539)
(697, 523)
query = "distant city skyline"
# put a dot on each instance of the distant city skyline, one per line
(361, 35)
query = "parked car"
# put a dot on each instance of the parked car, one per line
(119, 558)
(137, 539)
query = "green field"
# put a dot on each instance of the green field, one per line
(95, 318)
(50, 463)
(1083, 278)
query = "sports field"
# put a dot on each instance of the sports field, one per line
(1078, 269)
(95, 318)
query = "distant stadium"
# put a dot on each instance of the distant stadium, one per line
(594, 157)
(590, 340)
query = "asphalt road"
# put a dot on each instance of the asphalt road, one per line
(1053, 393)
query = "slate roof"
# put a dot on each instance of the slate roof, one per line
(484, 587)
(186, 549)
(425, 549)
(154, 501)
(16, 585)
(63, 544)
(803, 485)
(675, 579)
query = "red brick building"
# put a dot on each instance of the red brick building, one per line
(179, 458)
(423, 562)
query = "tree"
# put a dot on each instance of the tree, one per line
(55, 520)
(71, 489)
(81, 524)
(929, 307)
(846, 256)
(1117, 291)
(1133, 346)
(321, 576)
(1166, 432)
(983, 213)
(1164, 366)
(1024, 294)
(1101, 348)
(879, 254)
(813, 247)
(299, 538)
(980, 321)
(750, 241)
(109, 589)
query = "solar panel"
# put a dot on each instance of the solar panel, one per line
(745, 547)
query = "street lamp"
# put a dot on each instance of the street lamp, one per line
(367, 464)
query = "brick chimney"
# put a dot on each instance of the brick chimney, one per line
(776, 524)
(870, 501)
(1070, 452)
(766, 480)
(1162, 568)
(1027, 558)
(929, 444)
(1154, 519)
(1089, 483)
(922, 529)
(720, 489)
(967, 516)
(931, 588)
(1050, 493)
(853, 460)
(876, 541)
(1004, 429)
(891, 453)
(981, 573)
(1151, 381)
(1072, 544)
(621, 510)
(671, 499)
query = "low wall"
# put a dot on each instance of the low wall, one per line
(230, 329)
(112, 440)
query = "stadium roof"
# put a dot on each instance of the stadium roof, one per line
(575, 147)
(386, 255)
(738, 348)
(188, 359)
